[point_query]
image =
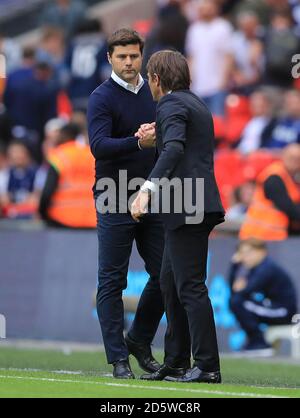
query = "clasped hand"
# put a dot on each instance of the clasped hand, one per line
(146, 135)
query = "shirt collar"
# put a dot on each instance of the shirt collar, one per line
(128, 86)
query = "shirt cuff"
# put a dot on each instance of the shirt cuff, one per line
(149, 186)
(139, 145)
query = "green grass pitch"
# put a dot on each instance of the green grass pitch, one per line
(42, 373)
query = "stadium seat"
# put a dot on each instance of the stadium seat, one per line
(256, 162)
(143, 26)
(20, 210)
(237, 111)
(219, 128)
(229, 173)
(64, 106)
(291, 333)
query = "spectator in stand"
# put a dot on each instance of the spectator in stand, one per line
(52, 134)
(247, 53)
(15, 79)
(64, 14)
(209, 50)
(25, 67)
(67, 199)
(263, 8)
(262, 293)
(286, 129)
(52, 48)
(261, 123)
(79, 118)
(3, 174)
(86, 61)
(281, 43)
(5, 128)
(12, 52)
(242, 197)
(30, 97)
(171, 14)
(19, 197)
(295, 6)
(275, 208)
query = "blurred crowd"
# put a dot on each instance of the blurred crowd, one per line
(241, 56)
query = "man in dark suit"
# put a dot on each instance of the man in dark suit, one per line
(116, 110)
(185, 142)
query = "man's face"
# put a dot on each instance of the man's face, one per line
(126, 62)
(250, 256)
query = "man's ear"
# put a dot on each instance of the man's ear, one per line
(109, 58)
(157, 79)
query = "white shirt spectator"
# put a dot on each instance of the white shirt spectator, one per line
(251, 137)
(242, 54)
(4, 176)
(207, 44)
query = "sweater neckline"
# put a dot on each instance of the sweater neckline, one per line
(114, 83)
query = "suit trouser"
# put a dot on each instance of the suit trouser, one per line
(116, 233)
(189, 312)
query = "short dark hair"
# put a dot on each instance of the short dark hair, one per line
(89, 26)
(172, 68)
(123, 37)
(69, 132)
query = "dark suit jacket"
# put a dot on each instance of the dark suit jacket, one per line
(185, 121)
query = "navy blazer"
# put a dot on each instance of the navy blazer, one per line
(182, 118)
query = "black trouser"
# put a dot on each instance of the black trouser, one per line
(252, 314)
(189, 312)
(116, 233)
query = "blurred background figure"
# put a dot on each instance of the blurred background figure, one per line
(52, 134)
(242, 197)
(52, 48)
(3, 176)
(275, 208)
(30, 97)
(257, 130)
(12, 52)
(286, 129)
(19, 196)
(86, 62)
(281, 43)
(209, 50)
(63, 14)
(210, 59)
(247, 53)
(261, 293)
(170, 15)
(66, 197)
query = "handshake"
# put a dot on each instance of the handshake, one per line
(146, 135)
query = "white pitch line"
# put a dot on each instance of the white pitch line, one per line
(200, 391)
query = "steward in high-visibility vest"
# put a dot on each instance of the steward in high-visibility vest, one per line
(71, 204)
(264, 220)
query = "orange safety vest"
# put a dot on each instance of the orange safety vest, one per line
(72, 204)
(263, 220)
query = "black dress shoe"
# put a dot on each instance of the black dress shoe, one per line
(195, 375)
(163, 372)
(122, 370)
(143, 354)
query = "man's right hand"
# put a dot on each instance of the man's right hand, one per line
(146, 135)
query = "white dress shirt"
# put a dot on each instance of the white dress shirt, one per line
(128, 86)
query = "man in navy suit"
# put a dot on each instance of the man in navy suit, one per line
(185, 143)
